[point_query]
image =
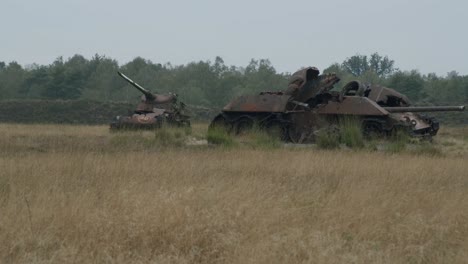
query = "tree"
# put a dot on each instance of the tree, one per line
(103, 82)
(409, 83)
(357, 65)
(35, 82)
(11, 79)
(450, 90)
(218, 67)
(260, 75)
(382, 66)
(66, 79)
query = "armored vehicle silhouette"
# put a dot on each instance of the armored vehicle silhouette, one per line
(309, 105)
(153, 111)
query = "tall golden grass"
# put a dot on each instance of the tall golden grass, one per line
(73, 195)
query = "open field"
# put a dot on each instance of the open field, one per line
(77, 194)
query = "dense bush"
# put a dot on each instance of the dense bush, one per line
(74, 111)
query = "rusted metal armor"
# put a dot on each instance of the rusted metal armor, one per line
(308, 104)
(153, 111)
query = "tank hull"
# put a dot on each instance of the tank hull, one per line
(309, 105)
(153, 111)
(152, 120)
(304, 126)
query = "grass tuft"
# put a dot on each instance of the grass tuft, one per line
(351, 133)
(129, 139)
(220, 136)
(170, 137)
(259, 138)
(398, 141)
(348, 133)
(328, 139)
(427, 149)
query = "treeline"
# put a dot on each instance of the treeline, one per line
(208, 83)
(203, 83)
(421, 89)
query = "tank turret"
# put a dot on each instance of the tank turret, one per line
(153, 111)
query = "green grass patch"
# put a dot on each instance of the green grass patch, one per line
(259, 138)
(401, 141)
(170, 137)
(448, 143)
(220, 136)
(372, 145)
(163, 137)
(426, 149)
(398, 141)
(348, 133)
(351, 133)
(129, 139)
(395, 147)
(327, 139)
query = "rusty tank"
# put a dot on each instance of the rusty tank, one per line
(309, 105)
(154, 111)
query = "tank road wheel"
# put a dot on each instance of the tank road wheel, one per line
(277, 130)
(372, 129)
(220, 122)
(243, 125)
(434, 126)
(296, 135)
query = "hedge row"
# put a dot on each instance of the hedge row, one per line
(74, 111)
(91, 112)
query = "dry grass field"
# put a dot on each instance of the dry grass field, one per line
(78, 194)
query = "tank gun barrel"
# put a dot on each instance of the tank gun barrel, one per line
(424, 109)
(148, 94)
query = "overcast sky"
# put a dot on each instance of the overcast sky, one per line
(430, 36)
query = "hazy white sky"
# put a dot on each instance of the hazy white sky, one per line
(429, 35)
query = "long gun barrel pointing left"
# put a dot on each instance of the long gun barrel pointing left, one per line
(148, 94)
